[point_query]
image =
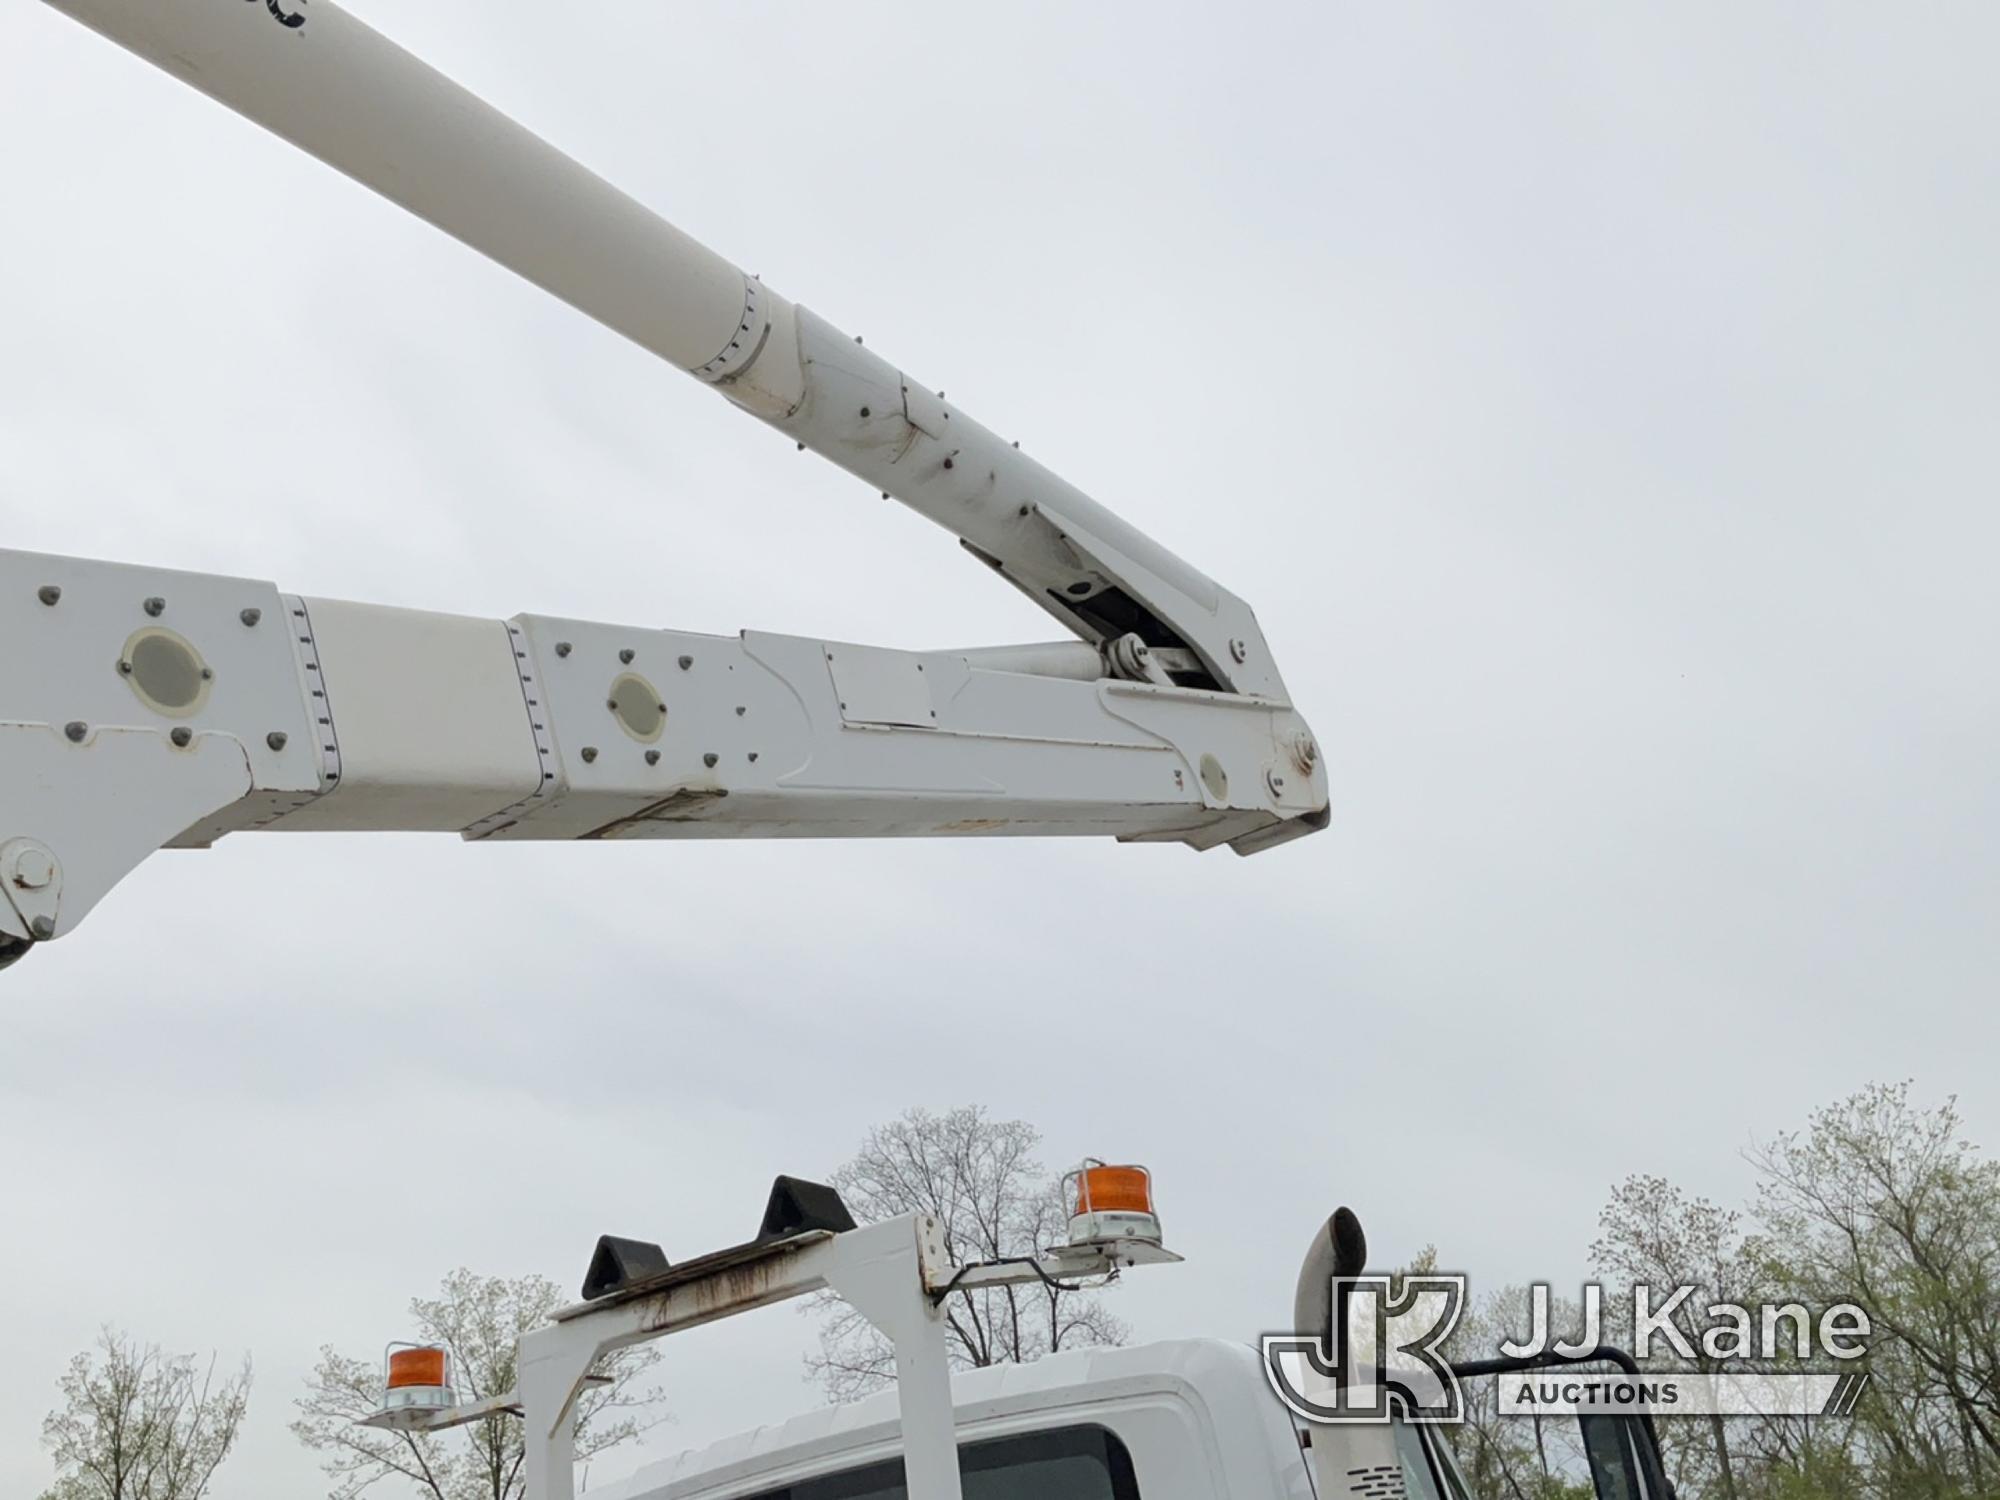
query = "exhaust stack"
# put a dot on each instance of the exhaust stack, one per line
(1338, 1249)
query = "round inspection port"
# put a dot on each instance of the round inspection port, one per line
(165, 671)
(636, 705)
(1215, 778)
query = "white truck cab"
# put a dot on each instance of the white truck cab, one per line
(1186, 1419)
(1190, 1419)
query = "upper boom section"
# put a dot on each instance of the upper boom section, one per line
(321, 79)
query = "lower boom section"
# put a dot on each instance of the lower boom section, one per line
(142, 709)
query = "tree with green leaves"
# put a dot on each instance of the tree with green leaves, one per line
(1651, 1233)
(1882, 1202)
(476, 1319)
(139, 1424)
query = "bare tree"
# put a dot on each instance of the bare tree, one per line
(476, 1318)
(982, 1181)
(137, 1424)
(1504, 1456)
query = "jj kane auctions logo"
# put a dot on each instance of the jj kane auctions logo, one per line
(1386, 1356)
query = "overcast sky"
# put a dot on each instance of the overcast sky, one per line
(1614, 482)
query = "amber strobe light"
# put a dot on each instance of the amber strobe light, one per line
(1112, 1203)
(1102, 1189)
(416, 1386)
(408, 1367)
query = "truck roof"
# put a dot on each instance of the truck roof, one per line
(1223, 1380)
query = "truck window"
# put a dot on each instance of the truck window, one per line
(1062, 1463)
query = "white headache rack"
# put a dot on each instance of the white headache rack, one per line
(896, 1273)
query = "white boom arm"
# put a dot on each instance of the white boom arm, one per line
(1167, 719)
